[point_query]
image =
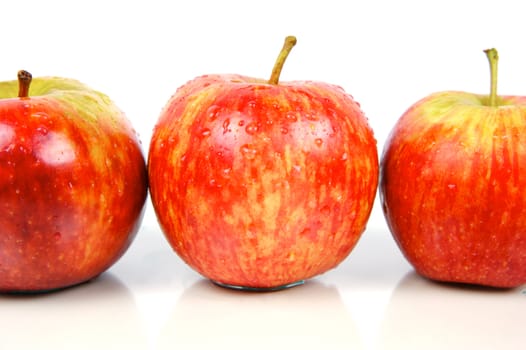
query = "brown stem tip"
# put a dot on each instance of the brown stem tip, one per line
(24, 81)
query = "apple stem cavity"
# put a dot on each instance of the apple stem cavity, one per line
(24, 81)
(493, 57)
(290, 42)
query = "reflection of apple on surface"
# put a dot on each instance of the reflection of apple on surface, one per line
(311, 317)
(453, 175)
(262, 183)
(100, 315)
(428, 315)
(72, 183)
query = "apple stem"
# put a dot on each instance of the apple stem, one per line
(24, 81)
(290, 41)
(493, 57)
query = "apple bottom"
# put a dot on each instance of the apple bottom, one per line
(486, 272)
(50, 284)
(47, 290)
(258, 289)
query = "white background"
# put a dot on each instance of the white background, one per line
(387, 54)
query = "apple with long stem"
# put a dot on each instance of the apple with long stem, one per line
(261, 184)
(73, 183)
(453, 175)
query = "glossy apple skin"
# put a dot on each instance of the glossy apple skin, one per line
(258, 185)
(72, 185)
(453, 175)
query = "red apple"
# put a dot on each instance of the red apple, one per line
(453, 174)
(259, 184)
(72, 184)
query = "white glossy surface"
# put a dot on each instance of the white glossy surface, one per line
(151, 300)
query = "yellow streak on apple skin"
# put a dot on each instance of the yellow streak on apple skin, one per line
(95, 111)
(165, 139)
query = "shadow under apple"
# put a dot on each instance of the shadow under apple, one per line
(97, 314)
(303, 317)
(423, 314)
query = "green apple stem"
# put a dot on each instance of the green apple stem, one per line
(24, 81)
(290, 41)
(493, 57)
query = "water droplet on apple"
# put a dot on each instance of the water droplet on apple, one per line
(248, 152)
(57, 236)
(318, 142)
(205, 132)
(241, 123)
(251, 128)
(332, 112)
(313, 117)
(213, 112)
(41, 115)
(22, 148)
(344, 157)
(291, 117)
(452, 186)
(251, 104)
(43, 130)
(226, 125)
(284, 130)
(325, 210)
(227, 172)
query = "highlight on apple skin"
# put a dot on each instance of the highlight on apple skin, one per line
(453, 174)
(73, 183)
(260, 184)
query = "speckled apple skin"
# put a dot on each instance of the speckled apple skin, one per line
(453, 180)
(261, 185)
